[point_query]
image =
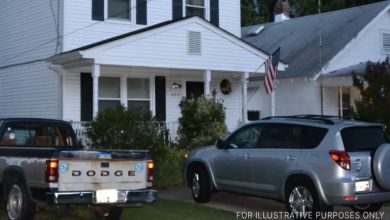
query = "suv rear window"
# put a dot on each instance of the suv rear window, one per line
(363, 138)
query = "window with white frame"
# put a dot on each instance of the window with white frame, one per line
(138, 94)
(109, 93)
(195, 8)
(119, 9)
(386, 42)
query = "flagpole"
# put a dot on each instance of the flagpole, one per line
(273, 103)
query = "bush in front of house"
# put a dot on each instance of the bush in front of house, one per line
(202, 122)
(126, 128)
(122, 128)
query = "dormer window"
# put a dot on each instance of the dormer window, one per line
(120, 9)
(195, 8)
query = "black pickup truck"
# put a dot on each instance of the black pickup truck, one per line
(42, 161)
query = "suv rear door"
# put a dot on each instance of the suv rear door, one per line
(277, 151)
(361, 143)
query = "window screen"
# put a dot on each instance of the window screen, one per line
(119, 9)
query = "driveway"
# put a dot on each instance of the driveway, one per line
(239, 203)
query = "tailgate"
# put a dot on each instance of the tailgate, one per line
(93, 170)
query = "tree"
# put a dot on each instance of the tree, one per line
(202, 122)
(375, 93)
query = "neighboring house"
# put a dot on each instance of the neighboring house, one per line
(71, 59)
(319, 81)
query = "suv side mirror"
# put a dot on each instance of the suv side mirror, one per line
(220, 144)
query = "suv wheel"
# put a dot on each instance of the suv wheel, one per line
(19, 204)
(367, 208)
(302, 200)
(200, 185)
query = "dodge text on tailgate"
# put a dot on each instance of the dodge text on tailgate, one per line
(41, 161)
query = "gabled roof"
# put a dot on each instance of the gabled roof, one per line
(299, 37)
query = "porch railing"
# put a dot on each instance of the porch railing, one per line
(80, 128)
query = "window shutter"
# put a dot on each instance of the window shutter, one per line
(214, 12)
(98, 10)
(86, 96)
(160, 98)
(177, 9)
(141, 12)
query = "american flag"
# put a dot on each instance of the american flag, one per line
(271, 69)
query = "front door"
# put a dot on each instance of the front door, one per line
(194, 89)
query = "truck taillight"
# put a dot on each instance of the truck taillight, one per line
(150, 171)
(51, 171)
(341, 158)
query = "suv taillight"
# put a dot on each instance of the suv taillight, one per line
(51, 171)
(150, 173)
(341, 158)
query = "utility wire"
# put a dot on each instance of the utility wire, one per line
(66, 34)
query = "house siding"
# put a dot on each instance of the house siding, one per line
(30, 91)
(217, 53)
(81, 30)
(366, 47)
(28, 30)
(72, 100)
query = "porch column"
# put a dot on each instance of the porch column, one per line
(340, 101)
(123, 90)
(207, 82)
(95, 90)
(244, 82)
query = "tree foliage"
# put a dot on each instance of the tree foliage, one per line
(123, 128)
(202, 122)
(375, 93)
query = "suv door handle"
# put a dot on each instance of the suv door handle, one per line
(247, 156)
(289, 158)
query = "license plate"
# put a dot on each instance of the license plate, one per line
(362, 186)
(106, 196)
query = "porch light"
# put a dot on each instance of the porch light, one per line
(176, 85)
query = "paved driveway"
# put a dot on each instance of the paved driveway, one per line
(239, 203)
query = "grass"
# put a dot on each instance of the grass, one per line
(161, 210)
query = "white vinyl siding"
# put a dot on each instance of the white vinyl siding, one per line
(28, 30)
(29, 91)
(81, 30)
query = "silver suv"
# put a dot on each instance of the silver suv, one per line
(310, 162)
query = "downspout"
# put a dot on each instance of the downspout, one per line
(60, 72)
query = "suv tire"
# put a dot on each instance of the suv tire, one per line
(19, 204)
(200, 185)
(303, 194)
(367, 208)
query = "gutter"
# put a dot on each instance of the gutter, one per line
(60, 71)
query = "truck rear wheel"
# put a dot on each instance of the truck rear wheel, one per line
(108, 213)
(19, 204)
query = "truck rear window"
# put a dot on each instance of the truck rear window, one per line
(363, 138)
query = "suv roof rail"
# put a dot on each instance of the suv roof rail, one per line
(327, 119)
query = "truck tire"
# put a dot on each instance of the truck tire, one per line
(381, 166)
(200, 185)
(303, 201)
(367, 208)
(19, 204)
(111, 213)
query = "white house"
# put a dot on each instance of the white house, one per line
(71, 59)
(318, 78)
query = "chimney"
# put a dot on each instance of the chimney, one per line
(282, 11)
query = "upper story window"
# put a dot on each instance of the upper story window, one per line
(120, 9)
(195, 8)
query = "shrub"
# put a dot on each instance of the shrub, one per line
(169, 167)
(122, 128)
(202, 122)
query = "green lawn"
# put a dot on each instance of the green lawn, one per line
(161, 210)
